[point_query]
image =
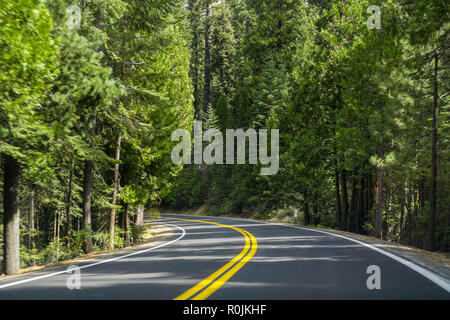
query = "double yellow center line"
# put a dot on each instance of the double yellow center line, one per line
(213, 282)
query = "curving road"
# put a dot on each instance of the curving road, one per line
(225, 258)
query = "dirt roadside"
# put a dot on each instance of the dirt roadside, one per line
(157, 235)
(438, 262)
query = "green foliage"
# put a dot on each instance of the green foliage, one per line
(350, 102)
(27, 69)
(354, 107)
(138, 232)
(65, 96)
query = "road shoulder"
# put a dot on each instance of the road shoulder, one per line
(437, 262)
(159, 234)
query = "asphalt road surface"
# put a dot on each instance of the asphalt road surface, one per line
(224, 259)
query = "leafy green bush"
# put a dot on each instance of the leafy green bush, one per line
(282, 213)
(119, 239)
(100, 240)
(55, 251)
(138, 232)
(29, 257)
(214, 210)
(368, 228)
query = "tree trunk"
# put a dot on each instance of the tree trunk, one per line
(447, 233)
(31, 220)
(432, 219)
(207, 71)
(316, 217)
(125, 223)
(69, 201)
(194, 19)
(367, 199)
(54, 225)
(402, 212)
(88, 175)
(47, 223)
(11, 215)
(58, 225)
(371, 185)
(359, 206)
(379, 203)
(338, 196)
(306, 208)
(196, 78)
(57, 233)
(140, 216)
(112, 221)
(87, 202)
(353, 206)
(408, 231)
(344, 200)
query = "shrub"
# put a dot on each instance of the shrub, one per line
(137, 232)
(100, 240)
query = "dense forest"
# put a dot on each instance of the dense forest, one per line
(91, 91)
(362, 113)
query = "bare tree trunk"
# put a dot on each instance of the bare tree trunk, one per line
(315, 218)
(402, 211)
(409, 214)
(387, 231)
(194, 19)
(352, 220)
(367, 197)
(126, 222)
(306, 208)
(196, 80)
(344, 220)
(338, 196)
(432, 219)
(31, 219)
(11, 215)
(207, 71)
(69, 200)
(87, 202)
(112, 221)
(58, 224)
(359, 206)
(379, 203)
(54, 226)
(88, 175)
(37, 222)
(56, 230)
(371, 185)
(140, 216)
(447, 233)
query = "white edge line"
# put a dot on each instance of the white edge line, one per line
(433, 277)
(100, 262)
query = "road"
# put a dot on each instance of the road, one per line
(225, 258)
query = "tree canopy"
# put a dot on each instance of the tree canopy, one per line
(91, 91)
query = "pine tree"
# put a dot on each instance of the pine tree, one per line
(26, 72)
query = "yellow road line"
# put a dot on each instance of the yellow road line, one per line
(224, 278)
(246, 254)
